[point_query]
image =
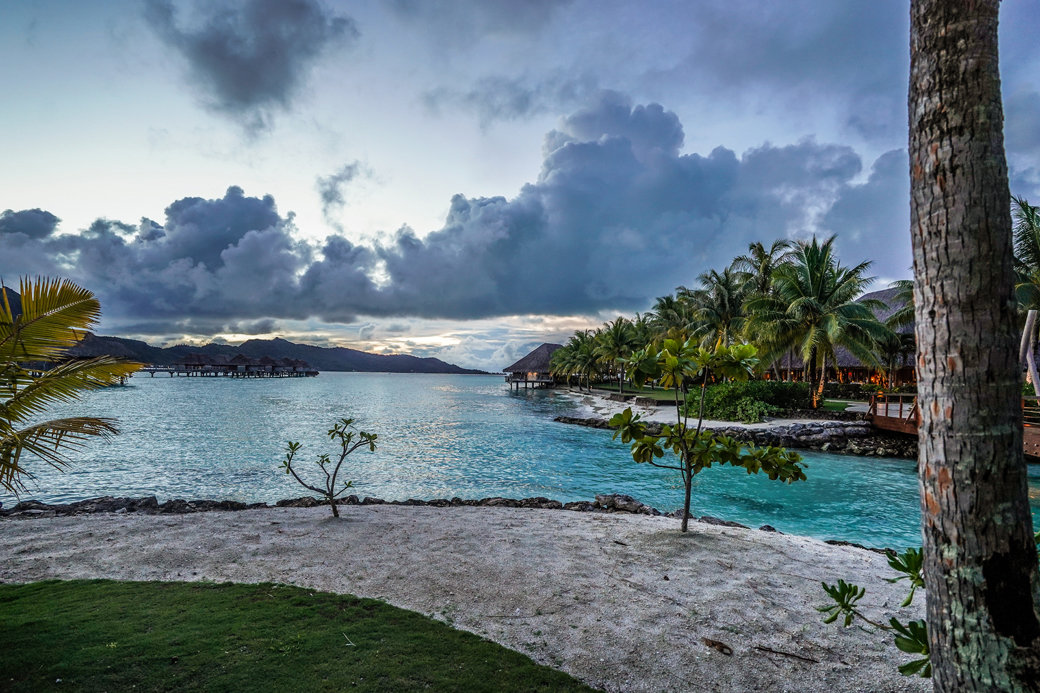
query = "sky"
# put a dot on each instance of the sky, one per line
(461, 179)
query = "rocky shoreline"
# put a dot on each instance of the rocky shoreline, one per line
(610, 503)
(841, 436)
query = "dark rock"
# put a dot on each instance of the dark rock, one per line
(709, 520)
(770, 528)
(620, 502)
(368, 500)
(580, 506)
(499, 502)
(541, 503)
(178, 505)
(302, 502)
(839, 542)
(439, 502)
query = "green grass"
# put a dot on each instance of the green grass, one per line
(169, 636)
(834, 405)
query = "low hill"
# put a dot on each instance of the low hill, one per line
(321, 358)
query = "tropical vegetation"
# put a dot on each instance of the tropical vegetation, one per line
(695, 449)
(37, 326)
(793, 301)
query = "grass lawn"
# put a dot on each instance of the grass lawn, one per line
(102, 635)
(834, 405)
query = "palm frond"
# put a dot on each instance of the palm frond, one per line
(48, 441)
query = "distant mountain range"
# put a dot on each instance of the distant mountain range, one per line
(322, 358)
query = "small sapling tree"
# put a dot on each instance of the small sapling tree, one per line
(350, 438)
(695, 449)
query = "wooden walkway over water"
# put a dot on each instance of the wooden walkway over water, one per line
(216, 372)
(899, 413)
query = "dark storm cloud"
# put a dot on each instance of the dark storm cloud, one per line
(331, 191)
(469, 20)
(499, 98)
(794, 53)
(616, 217)
(870, 220)
(33, 223)
(252, 57)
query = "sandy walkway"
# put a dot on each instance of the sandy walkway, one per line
(620, 601)
(596, 405)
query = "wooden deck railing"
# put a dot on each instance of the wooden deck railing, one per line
(899, 413)
(894, 412)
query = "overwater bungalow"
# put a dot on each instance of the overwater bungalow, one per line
(533, 369)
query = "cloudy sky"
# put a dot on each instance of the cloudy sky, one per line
(462, 179)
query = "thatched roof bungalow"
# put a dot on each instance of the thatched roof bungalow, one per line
(849, 368)
(533, 369)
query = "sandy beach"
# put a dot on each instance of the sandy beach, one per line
(623, 602)
(596, 405)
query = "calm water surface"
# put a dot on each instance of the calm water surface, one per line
(442, 436)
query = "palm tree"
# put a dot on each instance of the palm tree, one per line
(672, 318)
(756, 268)
(814, 310)
(980, 566)
(893, 351)
(34, 375)
(614, 343)
(1026, 238)
(904, 298)
(719, 307)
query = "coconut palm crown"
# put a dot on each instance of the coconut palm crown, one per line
(35, 375)
(814, 310)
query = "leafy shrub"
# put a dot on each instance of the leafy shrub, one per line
(721, 400)
(750, 410)
(855, 391)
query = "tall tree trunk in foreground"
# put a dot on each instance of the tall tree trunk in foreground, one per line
(980, 561)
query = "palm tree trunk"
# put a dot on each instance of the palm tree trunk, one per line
(980, 564)
(812, 378)
(1027, 351)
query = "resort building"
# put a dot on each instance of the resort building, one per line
(897, 370)
(533, 369)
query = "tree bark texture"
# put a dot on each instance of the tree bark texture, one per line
(980, 561)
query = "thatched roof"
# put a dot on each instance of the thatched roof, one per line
(845, 358)
(242, 360)
(535, 362)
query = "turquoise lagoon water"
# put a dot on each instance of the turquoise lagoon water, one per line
(442, 436)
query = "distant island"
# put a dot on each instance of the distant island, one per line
(321, 358)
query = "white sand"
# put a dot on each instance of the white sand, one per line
(596, 405)
(586, 593)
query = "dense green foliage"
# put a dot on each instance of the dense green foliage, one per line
(695, 449)
(160, 636)
(791, 300)
(727, 401)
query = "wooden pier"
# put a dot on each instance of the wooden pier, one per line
(209, 372)
(899, 414)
